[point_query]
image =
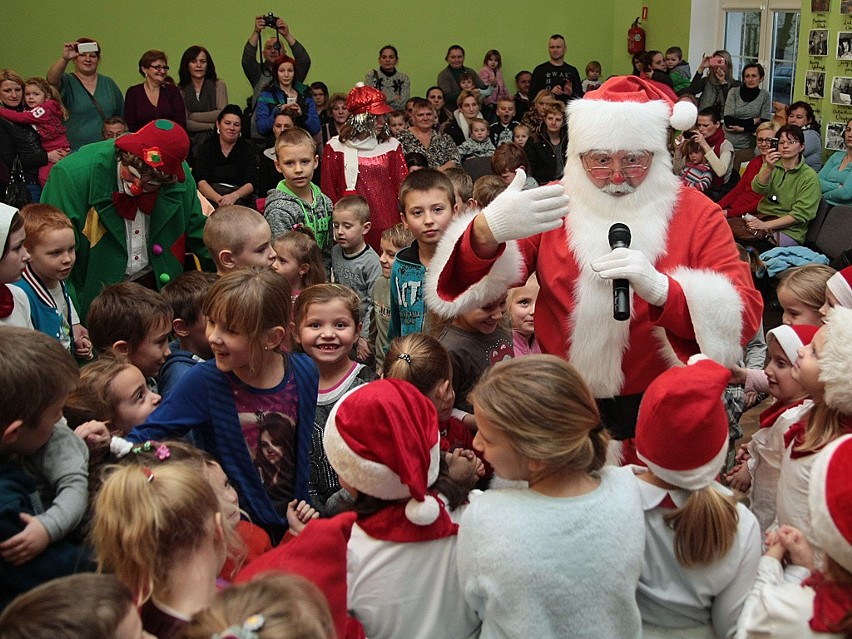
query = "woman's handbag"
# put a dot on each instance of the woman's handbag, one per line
(17, 194)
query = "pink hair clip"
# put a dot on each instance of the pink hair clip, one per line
(163, 452)
(148, 473)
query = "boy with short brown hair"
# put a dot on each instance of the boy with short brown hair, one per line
(238, 236)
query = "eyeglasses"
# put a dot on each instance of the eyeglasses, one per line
(764, 141)
(159, 67)
(601, 166)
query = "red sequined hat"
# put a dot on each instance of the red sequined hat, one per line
(161, 144)
(364, 99)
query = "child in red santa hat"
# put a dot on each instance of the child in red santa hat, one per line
(382, 440)
(364, 159)
(838, 292)
(788, 600)
(701, 547)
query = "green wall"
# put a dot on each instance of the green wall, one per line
(343, 38)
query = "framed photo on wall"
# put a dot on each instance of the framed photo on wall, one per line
(819, 6)
(844, 44)
(841, 91)
(818, 42)
(834, 136)
(845, 7)
(815, 84)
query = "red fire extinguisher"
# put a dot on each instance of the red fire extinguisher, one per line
(635, 38)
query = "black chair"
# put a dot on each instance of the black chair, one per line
(477, 167)
(833, 237)
(816, 223)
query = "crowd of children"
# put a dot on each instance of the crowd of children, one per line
(315, 408)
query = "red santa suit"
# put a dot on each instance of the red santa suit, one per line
(711, 306)
(380, 170)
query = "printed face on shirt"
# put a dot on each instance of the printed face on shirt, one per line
(33, 96)
(349, 231)
(151, 354)
(508, 463)
(257, 250)
(795, 311)
(779, 374)
(806, 366)
(12, 264)
(327, 332)
(484, 319)
(52, 258)
(297, 164)
(427, 214)
(132, 400)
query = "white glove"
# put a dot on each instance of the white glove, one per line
(632, 265)
(516, 214)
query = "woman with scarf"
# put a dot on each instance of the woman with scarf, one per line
(364, 159)
(203, 94)
(718, 151)
(745, 108)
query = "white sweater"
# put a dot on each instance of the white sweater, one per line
(538, 566)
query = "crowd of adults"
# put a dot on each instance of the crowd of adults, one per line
(229, 168)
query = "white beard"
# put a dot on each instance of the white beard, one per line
(598, 342)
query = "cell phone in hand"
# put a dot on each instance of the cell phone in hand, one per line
(87, 47)
(773, 144)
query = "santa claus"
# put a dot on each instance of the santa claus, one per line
(689, 291)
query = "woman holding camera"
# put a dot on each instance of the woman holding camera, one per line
(790, 190)
(90, 97)
(712, 89)
(742, 200)
(718, 151)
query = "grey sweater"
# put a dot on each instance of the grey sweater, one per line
(60, 469)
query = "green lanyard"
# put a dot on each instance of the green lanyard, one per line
(318, 225)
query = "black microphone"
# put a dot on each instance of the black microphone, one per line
(619, 237)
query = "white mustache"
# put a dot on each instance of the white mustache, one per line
(618, 189)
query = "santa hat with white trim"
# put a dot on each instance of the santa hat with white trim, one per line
(830, 500)
(840, 284)
(682, 428)
(834, 359)
(626, 113)
(382, 439)
(792, 338)
(6, 214)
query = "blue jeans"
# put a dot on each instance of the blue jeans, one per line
(35, 192)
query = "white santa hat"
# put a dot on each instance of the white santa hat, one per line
(682, 428)
(382, 439)
(626, 113)
(840, 284)
(6, 214)
(834, 360)
(792, 338)
(830, 500)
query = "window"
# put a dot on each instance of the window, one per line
(767, 33)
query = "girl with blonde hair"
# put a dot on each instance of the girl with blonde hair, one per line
(160, 531)
(539, 424)
(701, 547)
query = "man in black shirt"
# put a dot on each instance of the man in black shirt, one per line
(561, 78)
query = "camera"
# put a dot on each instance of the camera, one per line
(690, 135)
(773, 144)
(270, 21)
(87, 47)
